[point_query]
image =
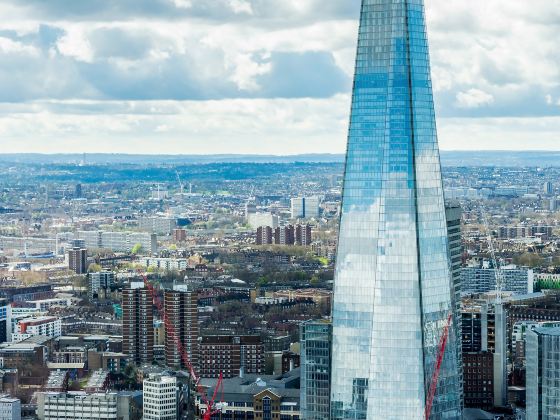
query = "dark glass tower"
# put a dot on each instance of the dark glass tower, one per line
(393, 290)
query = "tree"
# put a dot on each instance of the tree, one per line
(136, 248)
(315, 280)
(94, 268)
(529, 259)
(263, 281)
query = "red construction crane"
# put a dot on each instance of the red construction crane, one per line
(212, 407)
(439, 360)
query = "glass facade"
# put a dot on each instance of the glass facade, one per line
(393, 291)
(315, 341)
(543, 373)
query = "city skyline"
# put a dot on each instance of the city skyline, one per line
(247, 76)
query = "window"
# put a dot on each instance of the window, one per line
(267, 408)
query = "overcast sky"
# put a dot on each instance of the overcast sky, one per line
(259, 76)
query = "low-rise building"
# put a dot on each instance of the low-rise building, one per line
(166, 264)
(44, 305)
(21, 355)
(256, 397)
(45, 325)
(483, 279)
(10, 408)
(77, 405)
(231, 355)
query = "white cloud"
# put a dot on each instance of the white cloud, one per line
(182, 4)
(245, 70)
(489, 59)
(539, 133)
(75, 44)
(474, 98)
(8, 46)
(241, 6)
(252, 125)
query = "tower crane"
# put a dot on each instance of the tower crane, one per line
(181, 185)
(212, 407)
(500, 280)
(439, 360)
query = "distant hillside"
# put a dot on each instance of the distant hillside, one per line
(501, 158)
(101, 158)
(449, 158)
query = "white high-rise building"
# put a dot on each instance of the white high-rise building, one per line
(543, 373)
(119, 241)
(159, 225)
(160, 397)
(305, 207)
(257, 220)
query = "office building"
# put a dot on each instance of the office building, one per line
(315, 365)
(78, 191)
(157, 225)
(230, 355)
(543, 373)
(484, 331)
(160, 397)
(100, 283)
(181, 308)
(478, 371)
(44, 325)
(138, 324)
(471, 328)
(77, 260)
(10, 408)
(256, 220)
(250, 208)
(304, 207)
(5, 320)
(453, 215)
(547, 188)
(392, 288)
(77, 405)
(482, 279)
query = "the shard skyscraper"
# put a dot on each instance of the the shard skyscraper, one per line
(392, 293)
